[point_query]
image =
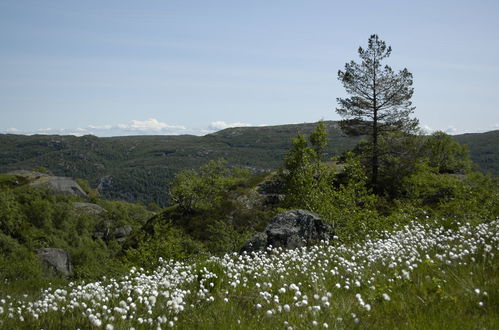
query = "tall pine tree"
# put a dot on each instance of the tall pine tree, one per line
(380, 99)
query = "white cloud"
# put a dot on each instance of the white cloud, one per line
(13, 130)
(48, 131)
(427, 129)
(219, 125)
(151, 125)
(155, 127)
(100, 126)
(452, 130)
(145, 127)
(135, 127)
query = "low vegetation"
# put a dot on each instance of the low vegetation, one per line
(34, 218)
(419, 276)
(418, 253)
(136, 168)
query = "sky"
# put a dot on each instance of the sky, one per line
(113, 68)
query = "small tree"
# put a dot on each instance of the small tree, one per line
(379, 101)
(204, 189)
(304, 173)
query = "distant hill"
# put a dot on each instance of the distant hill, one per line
(484, 150)
(138, 168)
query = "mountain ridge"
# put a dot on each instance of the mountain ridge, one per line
(138, 168)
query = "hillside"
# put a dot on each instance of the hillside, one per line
(484, 150)
(317, 248)
(138, 168)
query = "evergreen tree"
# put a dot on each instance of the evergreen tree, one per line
(380, 99)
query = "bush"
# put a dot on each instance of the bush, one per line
(205, 188)
(167, 242)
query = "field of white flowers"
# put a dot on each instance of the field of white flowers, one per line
(420, 276)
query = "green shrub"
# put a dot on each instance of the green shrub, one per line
(205, 188)
(167, 242)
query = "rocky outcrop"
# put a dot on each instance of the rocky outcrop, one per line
(289, 230)
(56, 261)
(88, 208)
(64, 185)
(272, 189)
(119, 233)
(58, 184)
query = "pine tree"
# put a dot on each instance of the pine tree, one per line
(380, 99)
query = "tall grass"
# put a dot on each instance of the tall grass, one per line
(418, 277)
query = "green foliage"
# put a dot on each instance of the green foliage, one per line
(204, 189)
(446, 155)
(484, 150)
(420, 176)
(166, 242)
(342, 199)
(11, 216)
(471, 197)
(93, 259)
(219, 205)
(33, 218)
(93, 194)
(305, 177)
(218, 208)
(41, 170)
(380, 100)
(401, 156)
(11, 180)
(136, 168)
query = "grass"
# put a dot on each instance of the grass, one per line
(419, 277)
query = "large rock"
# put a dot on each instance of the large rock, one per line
(64, 185)
(107, 233)
(58, 184)
(289, 230)
(121, 233)
(56, 261)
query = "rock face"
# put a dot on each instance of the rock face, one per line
(120, 233)
(56, 261)
(88, 208)
(289, 230)
(64, 185)
(272, 189)
(58, 184)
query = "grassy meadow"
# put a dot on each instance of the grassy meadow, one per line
(420, 276)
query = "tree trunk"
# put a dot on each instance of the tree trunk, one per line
(374, 161)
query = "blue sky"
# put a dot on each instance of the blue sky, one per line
(192, 67)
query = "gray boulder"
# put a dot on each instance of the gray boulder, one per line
(64, 185)
(121, 233)
(58, 184)
(289, 230)
(56, 261)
